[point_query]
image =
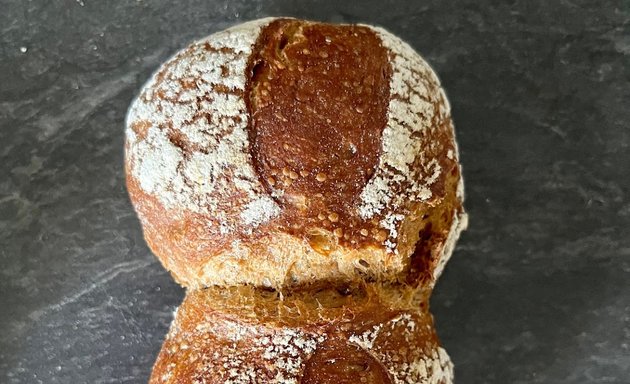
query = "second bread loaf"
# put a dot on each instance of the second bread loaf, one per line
(342, 335)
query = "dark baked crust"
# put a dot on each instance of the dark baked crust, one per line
(243, 335)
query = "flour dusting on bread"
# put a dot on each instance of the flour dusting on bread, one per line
(414, 94)
(187, 131)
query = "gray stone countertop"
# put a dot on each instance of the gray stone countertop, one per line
(538, 290)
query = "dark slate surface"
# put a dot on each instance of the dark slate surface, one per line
(538, 290)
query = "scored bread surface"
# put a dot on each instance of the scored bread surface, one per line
(226, 198)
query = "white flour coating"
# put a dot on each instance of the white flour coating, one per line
(435, 368)
(390, 222)
(407, 321)
(411, 108)
(286, 353)
(259, 211)
(187, 131)
(367, 338)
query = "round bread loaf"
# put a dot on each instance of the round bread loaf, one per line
(281, 152)
(336, 336)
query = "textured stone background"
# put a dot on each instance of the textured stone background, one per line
(538, 290)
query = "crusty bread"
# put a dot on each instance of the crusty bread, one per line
(302, 180)
(341, 335)
(282, 152)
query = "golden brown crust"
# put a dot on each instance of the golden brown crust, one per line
(243, 335)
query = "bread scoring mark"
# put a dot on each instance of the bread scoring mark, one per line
(339, 362)
(187, 132)
(317, 96)
(411, 116)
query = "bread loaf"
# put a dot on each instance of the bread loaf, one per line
(282, 152)
(330, 335)
(301, 179)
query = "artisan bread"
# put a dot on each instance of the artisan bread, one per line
(281, 152)
(341, 335)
